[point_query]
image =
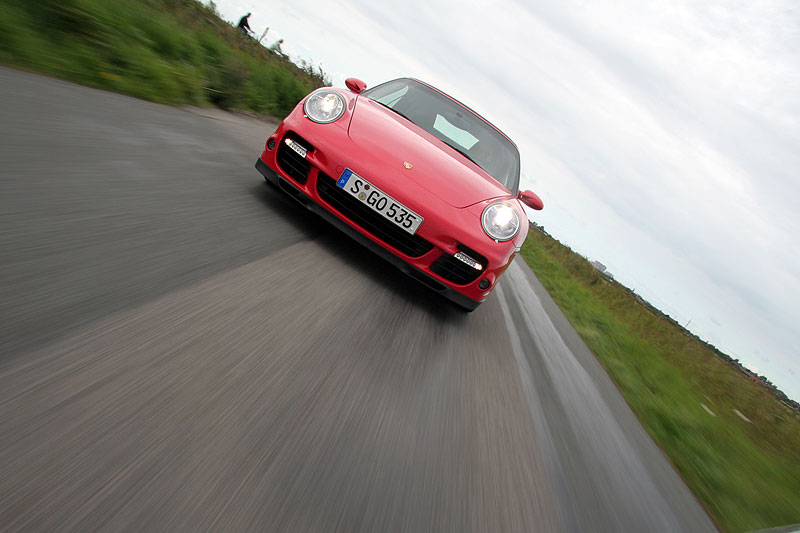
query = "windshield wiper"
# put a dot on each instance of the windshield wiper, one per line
(460, 151)
(395, 110)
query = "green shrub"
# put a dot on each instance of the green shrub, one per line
(746, 474)
(168, 51)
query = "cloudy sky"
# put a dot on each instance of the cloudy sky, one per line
(663, 137)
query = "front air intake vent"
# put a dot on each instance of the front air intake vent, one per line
(292, 162)
(369, 220)
(457, 271)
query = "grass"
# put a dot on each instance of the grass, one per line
(747, 475)
(166, 51)
(180, 52)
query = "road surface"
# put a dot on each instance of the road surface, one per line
(182, 347)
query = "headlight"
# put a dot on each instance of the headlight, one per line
(500, 221)
(324, 106)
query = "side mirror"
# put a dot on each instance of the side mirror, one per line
(530, 199)
(355, 85)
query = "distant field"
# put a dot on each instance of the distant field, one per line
(180, 52)
(746, 474)
(167, 51)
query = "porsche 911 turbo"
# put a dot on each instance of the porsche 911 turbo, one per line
(411, 173)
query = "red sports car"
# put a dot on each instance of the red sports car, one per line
(413, 174)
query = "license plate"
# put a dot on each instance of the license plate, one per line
(379, 201)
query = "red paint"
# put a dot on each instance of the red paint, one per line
(531, 199)
(446, 189)
(355, 85)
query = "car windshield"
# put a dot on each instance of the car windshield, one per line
(453, 124)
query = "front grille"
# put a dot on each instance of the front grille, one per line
(295, 165)
(293, 191)
(411, 245)
(456, 271)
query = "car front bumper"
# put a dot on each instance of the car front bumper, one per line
(423, 277)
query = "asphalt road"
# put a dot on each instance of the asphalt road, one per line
(182, 348)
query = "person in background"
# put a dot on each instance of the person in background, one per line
(243, 26)
(276, 47)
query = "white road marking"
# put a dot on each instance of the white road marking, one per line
(709, 411)
(619, 467)
(742, 416)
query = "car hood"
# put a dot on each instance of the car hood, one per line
(436, 167)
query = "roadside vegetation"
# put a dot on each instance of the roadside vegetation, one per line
(747, 474)
(166, 51)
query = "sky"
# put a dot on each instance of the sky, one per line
(663, 137)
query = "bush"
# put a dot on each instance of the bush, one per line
(168, 51)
